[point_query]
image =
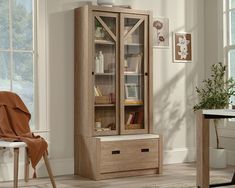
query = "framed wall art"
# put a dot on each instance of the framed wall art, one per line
(182, 47)
(161, 32)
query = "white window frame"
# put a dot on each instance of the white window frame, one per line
(228, 130)
(41, 75)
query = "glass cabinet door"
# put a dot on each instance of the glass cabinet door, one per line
(134, 72)
(105, 68)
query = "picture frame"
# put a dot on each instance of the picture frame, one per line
(182, 47)
(131, 91)
(132, 63)
(161, 32)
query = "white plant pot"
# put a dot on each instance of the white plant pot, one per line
(218, 158)
(105, 2)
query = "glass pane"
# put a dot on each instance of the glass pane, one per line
(4, 24)
(5, 74)
(101, 34)
(22, 24)
(232, 32)
(110, 22)
(134, 74)
(232, 68)
(129, 24)
(22, 82)
(104, 80)
(232, 4)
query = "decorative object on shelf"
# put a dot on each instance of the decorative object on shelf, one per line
(215, 94)
(122, 6)
(132, 63)
(98, 125)
(101, 62)
(182, 47)
(97, 65)
(99, 33)
(131, 91)
(105, 2)
(161, 32)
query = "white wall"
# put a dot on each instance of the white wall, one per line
(174, 83)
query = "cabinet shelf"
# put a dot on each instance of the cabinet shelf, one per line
(98, 41)
(105, 74)
(134, 44)
(132, 74)
(126, 105)
(104, 105)
(105, 132)
(133, 103)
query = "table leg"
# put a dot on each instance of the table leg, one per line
(202, 151)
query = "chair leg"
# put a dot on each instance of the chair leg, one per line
(49, 169)
(26, 167)
(16, 165)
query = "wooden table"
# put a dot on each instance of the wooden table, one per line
(203, 117)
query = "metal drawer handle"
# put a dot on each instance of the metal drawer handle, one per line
(115, 152)
(145, 150)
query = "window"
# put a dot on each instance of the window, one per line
(229, 37)
(17, 50)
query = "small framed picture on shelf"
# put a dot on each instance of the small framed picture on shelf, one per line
(132, 63)
(131, 91)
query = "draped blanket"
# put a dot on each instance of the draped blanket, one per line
(14, 126)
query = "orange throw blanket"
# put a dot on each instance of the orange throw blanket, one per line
(14, 126)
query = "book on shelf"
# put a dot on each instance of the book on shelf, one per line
(135, 118)
(97, 91)
(140, 117)
(130, 117)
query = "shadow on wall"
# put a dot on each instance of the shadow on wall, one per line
(169, 114)
(173, 114)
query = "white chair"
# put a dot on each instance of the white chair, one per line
(16, 146)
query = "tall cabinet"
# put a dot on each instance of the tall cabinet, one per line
(113, 94)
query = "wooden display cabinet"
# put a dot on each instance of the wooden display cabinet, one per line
(113, 94)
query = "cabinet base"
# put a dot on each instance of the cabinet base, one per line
(127, 174)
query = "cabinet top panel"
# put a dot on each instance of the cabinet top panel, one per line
(127, 137)
(117, 9)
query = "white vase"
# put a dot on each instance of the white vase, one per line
(218, 158)
(105, 2)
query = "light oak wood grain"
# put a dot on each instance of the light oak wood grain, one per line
(93, 158)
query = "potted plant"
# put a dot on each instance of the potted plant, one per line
(216, 93)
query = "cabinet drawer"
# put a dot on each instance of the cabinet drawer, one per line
(127, 155)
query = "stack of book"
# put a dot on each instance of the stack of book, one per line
(100, 98)
(135, 118)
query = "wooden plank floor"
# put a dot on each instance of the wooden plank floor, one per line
(177, 175)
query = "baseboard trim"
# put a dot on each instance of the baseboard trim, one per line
(179, 155)
(230, 157)
(59, 167)
(227, 132)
